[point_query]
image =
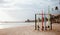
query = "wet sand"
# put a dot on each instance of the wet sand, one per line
(29, 30)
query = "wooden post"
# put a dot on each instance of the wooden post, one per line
(51, 21)
(35, 23)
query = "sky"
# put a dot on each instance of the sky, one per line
(20, 10)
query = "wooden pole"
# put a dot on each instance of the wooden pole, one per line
(51, 21)
(35, 23)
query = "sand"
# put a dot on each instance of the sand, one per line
(29, 30)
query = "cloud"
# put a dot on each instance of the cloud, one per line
(1, 1)
(6, 1)
(26, 9)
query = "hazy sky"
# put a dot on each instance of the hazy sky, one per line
(17, 10)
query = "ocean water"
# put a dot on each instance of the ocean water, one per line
(9, 25)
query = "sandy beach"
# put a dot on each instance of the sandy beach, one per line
(29, 30)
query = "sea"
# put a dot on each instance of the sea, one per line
(10, 25)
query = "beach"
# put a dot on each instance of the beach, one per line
(29, 30)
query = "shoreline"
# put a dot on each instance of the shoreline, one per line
(29, 30)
